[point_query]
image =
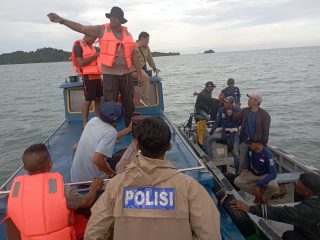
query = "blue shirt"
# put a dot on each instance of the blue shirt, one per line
(260, 164)
(234, 92)
(222, 120)
(251, 126)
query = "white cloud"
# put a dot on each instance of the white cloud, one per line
(185, 26)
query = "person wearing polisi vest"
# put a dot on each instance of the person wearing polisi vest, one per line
(152, 199)
(305, 216)
(39, 204)
(116, 56)
(85, 60)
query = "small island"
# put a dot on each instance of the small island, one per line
(44, 55)
(161, 54)
(208, 51)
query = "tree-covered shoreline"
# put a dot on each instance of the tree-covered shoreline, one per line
(44, 55)
(39, 56)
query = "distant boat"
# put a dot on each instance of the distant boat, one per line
(209, 51)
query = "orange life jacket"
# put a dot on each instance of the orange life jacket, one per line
(109, 43)
(38, 207)
(87, 51)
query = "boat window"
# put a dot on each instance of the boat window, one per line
(75, 100)
(153, 95)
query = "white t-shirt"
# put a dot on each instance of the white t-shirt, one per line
(97, 136)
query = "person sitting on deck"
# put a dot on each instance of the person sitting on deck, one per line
(85, 60)
(229, 132)
(233, 91)
(305, 216)
(259, 172)
(206, 107)
(96, 143)
(40, 205)
(152, 199)
(143, 53)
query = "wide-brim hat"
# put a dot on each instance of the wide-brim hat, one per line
(117, 12)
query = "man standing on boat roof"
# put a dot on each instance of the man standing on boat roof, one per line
(143, 53)
(253, 120)
(116, 55)
(233, 91)
(96, 144)
(152, 199)
(41, 206)
(305, 216)
(86, 61)
(206, 107)
(259, 172)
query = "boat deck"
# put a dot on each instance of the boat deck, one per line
(180, 156)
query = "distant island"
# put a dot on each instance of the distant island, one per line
(209, 51)
(161, 54)
(43, 55)
(38, 56)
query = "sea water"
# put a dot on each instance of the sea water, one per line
(288, 80)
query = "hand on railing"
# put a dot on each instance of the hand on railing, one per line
(156, 71)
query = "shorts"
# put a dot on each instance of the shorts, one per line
(92, 89)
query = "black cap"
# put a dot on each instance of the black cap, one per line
(210, 84)
(117, 12)
(312, 181)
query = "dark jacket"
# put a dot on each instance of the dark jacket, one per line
(263, 121)
(304, 216)
(206, 103)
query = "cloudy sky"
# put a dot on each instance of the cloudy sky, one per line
(187, 26)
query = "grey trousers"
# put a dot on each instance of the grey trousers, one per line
(246, 181)
(244, 148)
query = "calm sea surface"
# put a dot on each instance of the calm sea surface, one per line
(288, 79)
